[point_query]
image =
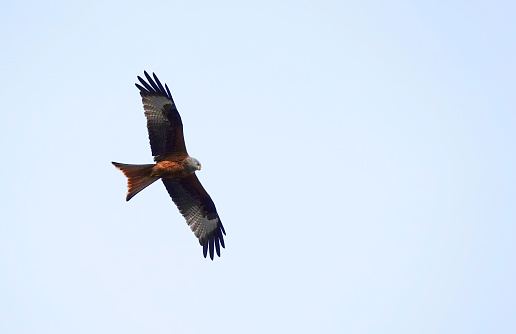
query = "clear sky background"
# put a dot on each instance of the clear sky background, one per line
(361, 155)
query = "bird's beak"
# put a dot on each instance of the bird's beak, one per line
(199, 167)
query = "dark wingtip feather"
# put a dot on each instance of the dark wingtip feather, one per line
(210, 247)
(146, 85)
(153, 86)
(151, 82)
(217, 244)
(160, 86)
(213, 241)
(146, 74)
(222, 241)
(143, 90)
(205, 249)
(168, 92)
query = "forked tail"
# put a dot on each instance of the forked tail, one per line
(138, 177)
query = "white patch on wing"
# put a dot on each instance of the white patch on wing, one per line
(208, 226)
(154, 105)
(201, 226)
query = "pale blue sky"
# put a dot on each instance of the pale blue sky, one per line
(361, 156)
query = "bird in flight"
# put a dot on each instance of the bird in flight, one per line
(173, 166)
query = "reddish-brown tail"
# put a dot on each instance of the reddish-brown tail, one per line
(138, 177)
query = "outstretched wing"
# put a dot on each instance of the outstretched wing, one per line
(198, 209)
(163, 120)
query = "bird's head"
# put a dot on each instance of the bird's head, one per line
(193, 165)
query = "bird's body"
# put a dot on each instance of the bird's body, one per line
(174, 167)
(171, 167)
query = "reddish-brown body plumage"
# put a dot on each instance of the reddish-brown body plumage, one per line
(171, 168)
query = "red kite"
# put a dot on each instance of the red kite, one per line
(173, 166)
